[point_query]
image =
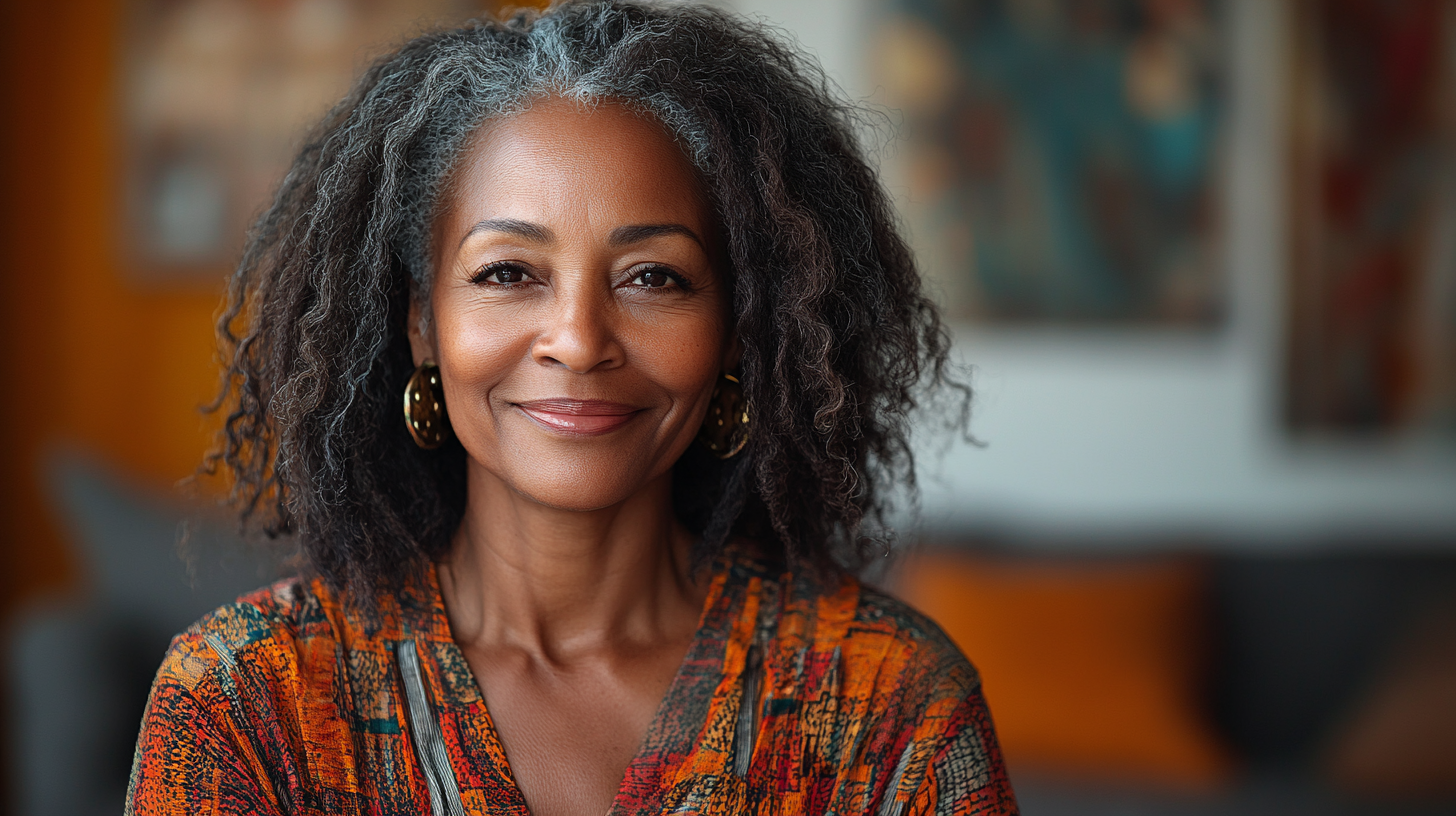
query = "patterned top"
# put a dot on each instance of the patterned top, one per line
(290, 701)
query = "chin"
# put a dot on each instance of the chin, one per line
(572, 498)
(580, 484)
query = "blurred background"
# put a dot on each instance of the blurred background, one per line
(1200, 257)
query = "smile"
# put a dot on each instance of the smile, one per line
(579, 417)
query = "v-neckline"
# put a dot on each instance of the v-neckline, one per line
(676, 724)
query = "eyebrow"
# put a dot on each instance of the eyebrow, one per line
(511, 226)
(621, 236)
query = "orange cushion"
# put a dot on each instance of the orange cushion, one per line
(1091, 668)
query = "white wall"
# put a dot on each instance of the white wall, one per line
(1142, 437)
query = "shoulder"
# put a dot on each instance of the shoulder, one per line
(928, 692)
(227, 694)
(260, 631)
(914, 647)
(880, 640)
(879, 611)
(899, 682)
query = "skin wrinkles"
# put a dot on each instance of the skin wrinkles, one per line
(575, 264)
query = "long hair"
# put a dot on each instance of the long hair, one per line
(837, 337)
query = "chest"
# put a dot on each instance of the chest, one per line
(719, 742)
(795, 715)
(570, 729)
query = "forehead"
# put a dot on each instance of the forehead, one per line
(563, 160)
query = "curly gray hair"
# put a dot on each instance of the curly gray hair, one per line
(837, 335)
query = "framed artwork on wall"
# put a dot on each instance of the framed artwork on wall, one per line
(1061, 159)
(216, 95)
(1372, 288)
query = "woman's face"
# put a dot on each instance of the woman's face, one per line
(578, 319)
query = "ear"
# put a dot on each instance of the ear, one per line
(732, 352)
(421, 337)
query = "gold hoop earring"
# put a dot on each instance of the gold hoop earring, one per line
(726, 428)
(424, 407)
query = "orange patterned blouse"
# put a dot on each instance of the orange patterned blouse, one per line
(290, 701)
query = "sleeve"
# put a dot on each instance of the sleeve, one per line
(187, 762)
(967, 776)
(191, 756)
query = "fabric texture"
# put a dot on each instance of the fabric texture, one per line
(290, 701)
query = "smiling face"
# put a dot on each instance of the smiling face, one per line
(577, 315)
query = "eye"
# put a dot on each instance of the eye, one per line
(500, 273)
(656, 277)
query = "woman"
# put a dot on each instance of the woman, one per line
(657, 339)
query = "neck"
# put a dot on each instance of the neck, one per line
(554, 582)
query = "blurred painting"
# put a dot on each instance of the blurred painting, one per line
(1373, 150)
(1059, 160)
(216, 97)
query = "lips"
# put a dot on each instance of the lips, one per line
(579, 417)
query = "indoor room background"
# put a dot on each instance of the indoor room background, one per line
(1199, 258)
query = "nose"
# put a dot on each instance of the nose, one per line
(581, 332)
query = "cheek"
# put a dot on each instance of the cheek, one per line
(683, 356)
(475, 353)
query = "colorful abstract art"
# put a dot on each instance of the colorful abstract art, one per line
(1059, 160)
(1372, 294)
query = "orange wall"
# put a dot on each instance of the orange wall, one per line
(90, 355)
(92, 358)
